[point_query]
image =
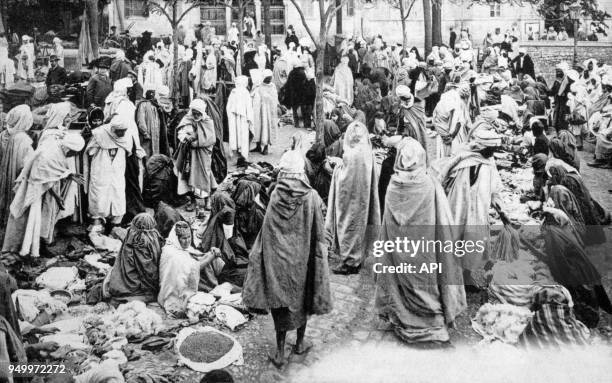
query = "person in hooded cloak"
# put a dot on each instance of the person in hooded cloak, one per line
(419, 306)
(38, 196)
(196, 134)
(135, 274)
(353, 209)
(265, 113)
(15, 148)
(288, 272)
(240, 117)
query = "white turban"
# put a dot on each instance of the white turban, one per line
(487, 138)
(573, 75)
(122, 85)
(242, 81)
(267, 73)
(563, 66)
(403, 91)
(198, 105)
(292, 162)
(163, 91)
(73, 142)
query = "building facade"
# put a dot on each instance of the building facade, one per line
(360, 18)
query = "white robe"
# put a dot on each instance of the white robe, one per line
(107, 174)
(344, 83)
(240, 120)
(179, 275)
(150, 76)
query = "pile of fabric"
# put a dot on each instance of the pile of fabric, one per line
(132, 319)
(502, 322)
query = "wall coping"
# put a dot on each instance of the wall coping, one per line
(567, 44)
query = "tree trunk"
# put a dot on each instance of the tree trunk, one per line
(175, 63)
(403, 20)
(3, 18)
(427, 26)
(94, 33)
(436, 22)
(240, 37)
(338, 18)
(319, 114)
(267, 29)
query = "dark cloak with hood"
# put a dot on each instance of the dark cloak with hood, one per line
(136, 270)
(288, 265)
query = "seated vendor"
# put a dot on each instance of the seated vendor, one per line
(135, 275)
(221, 233)
(180, 266)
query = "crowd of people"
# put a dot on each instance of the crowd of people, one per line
(161, 140)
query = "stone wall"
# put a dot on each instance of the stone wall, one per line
(546, 55)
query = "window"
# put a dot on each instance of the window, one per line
(277, 17)
(215, 14)
(350, 8)
(135, 8)
(495, 10)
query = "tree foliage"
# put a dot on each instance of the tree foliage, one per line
(549, 9)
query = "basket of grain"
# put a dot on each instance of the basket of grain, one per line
(205, 348)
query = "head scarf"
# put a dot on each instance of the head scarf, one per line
(173, 238)
(464, 90)
(356, 134)
(56, 115)
(410, 161)
(120, 55)
(403, 91)
(19, 119)
(331, 132)
(163, 98)
(481, 138)
(219, 201)
(73, 142)
(562, 151)
(292, 165)
(245, 193)
(121, 86)
(242, 82)
(198, 105)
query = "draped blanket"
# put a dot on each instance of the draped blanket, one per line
(419, 304)
(136, 272)
(14, 149)
(288, 263)
(343, 83)
(353, 213)
(43, 170)
(265, 114)
(470, 181)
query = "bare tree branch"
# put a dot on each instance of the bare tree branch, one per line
(409, 10)
(155, 7)
(304, 22)
(331, 12)
(194, 5)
